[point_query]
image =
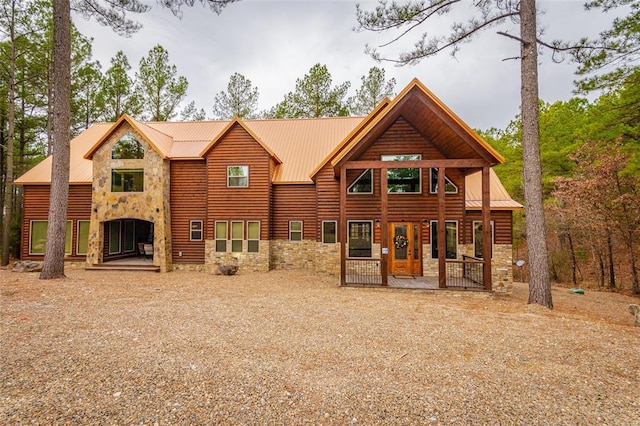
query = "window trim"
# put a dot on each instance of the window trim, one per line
(78, 236)
(419, 157)
(431, 239)
(356, 181)
(473, 235)
(66, 253)
(217, 238)
(191, 230)
(335, 234)
(446, 179)
(301, 231)
(241, 239)
(130, 169)
(246, 177)
(253, 239)
(372, 236)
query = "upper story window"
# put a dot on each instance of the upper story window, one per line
(362, 185)
(404, 180)
(127, 180)
(449, 187)
(127, 148)
(237, 176)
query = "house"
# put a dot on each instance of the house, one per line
(394, 186)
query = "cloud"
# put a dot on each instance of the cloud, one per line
(273, 43)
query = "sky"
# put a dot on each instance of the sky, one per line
(275, 42)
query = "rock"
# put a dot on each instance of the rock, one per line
(227, 269)
(635, 310)
(27, 266)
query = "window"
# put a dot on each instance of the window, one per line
(295, 230)
(195, 230)
(221, 236)
(253, 236)
(449, 187)
(329, 231)
(129, 236)
(477, 239)
(405, 180)
(38, 237)
(127, 180)
(238, 176)
(127, 148)
(114, 237)
(237, 235)
(451, 238)
(360, 239)
(82, 239)
(362, 185)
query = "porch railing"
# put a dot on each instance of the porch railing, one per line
(465, 273)
(363, 271)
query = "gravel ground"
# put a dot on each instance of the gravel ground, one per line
(293, 348)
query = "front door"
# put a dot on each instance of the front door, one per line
(405, 248)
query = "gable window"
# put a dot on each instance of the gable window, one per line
(127, 148)
(38, 237)
(238, 176)
(477, 239)
(360, 236)
(404, 180)
(82, 239)
(295, 230)
(451, 239)
(329, 231)
(253, 236)
(127, 180)
(362, 185)
(195, 230)
(221, 236)
(237, 235)
(449, 187)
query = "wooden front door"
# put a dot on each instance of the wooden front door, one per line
(405, 247)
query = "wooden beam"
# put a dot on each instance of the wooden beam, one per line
(442, 243)
(486, 229)
(384, 227)
(343, 226)
(455, 163)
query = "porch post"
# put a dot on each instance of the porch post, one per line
(343, 225)
(486, 229)
(384, 227)
(442, 243)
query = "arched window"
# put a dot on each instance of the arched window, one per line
(127, 148)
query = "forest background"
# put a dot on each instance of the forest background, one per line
(589, 146)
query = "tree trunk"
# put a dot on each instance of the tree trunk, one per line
(612, 270)
(8, 181)
(574, 261)
(539, 287)
(54, 252)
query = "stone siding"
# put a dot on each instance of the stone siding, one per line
(256, 262)
(151, 205)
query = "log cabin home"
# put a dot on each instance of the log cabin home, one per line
(406, 191)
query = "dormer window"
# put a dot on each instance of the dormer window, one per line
(127, 148)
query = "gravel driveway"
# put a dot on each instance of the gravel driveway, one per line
(293, 348)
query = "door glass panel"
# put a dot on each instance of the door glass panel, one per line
(416, 242)
(400, 242)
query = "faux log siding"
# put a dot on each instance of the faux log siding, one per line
(238, 148)
(188, 202)
(328, 198)
(502, 226)
(294, 202)
(36, 207)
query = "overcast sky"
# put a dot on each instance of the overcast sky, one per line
(273, 43)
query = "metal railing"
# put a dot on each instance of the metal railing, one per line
(363, 271)
(465, 273)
